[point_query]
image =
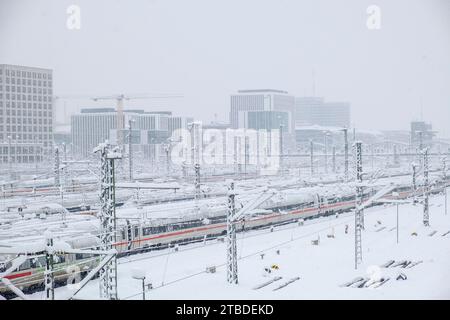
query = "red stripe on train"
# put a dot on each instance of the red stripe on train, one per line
(19, 275)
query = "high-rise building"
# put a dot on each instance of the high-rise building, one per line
(246, 107)
(26, 113)
(315, 111)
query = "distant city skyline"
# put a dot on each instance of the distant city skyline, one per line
(390, 76)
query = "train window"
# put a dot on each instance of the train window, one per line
(60, 258)
(33, 263)
(25, 265)
(81, 256)
(123, 234)
(2, 267)
(40, 262)
(136, 232)
(146, 231)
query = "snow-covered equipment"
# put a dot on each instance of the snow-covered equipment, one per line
(316, 242)
(265, 284)
(351, 282)
(286, 283)
(211, 269)
(401, 276)
(388, 264)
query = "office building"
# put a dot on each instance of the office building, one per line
(95, 125)
(26, 113)
(257, 108)
(315, 111)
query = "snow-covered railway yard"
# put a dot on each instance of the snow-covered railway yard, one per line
(288, 252)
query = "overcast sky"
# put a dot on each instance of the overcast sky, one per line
(208, 49)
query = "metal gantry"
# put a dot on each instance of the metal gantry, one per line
(359, 216)
(426, 187)
(232, 273)
(108, 274)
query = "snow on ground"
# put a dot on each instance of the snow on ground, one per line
(321, 268)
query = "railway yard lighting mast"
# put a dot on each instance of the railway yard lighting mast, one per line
(426, 187)
(57, 168)
(130, 150)
(167, 148)
(345, 130)
(359, 218)
(414, 178)
(311, 150)
(108, 274)
(196, 138)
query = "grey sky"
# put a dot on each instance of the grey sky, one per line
(208, 49)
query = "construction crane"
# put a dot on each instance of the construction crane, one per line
(119, 98)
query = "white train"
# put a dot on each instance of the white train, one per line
(137, 232)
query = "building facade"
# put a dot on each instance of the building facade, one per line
(315, 111)
(26, 113)
(247, 105)
(149, 129)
